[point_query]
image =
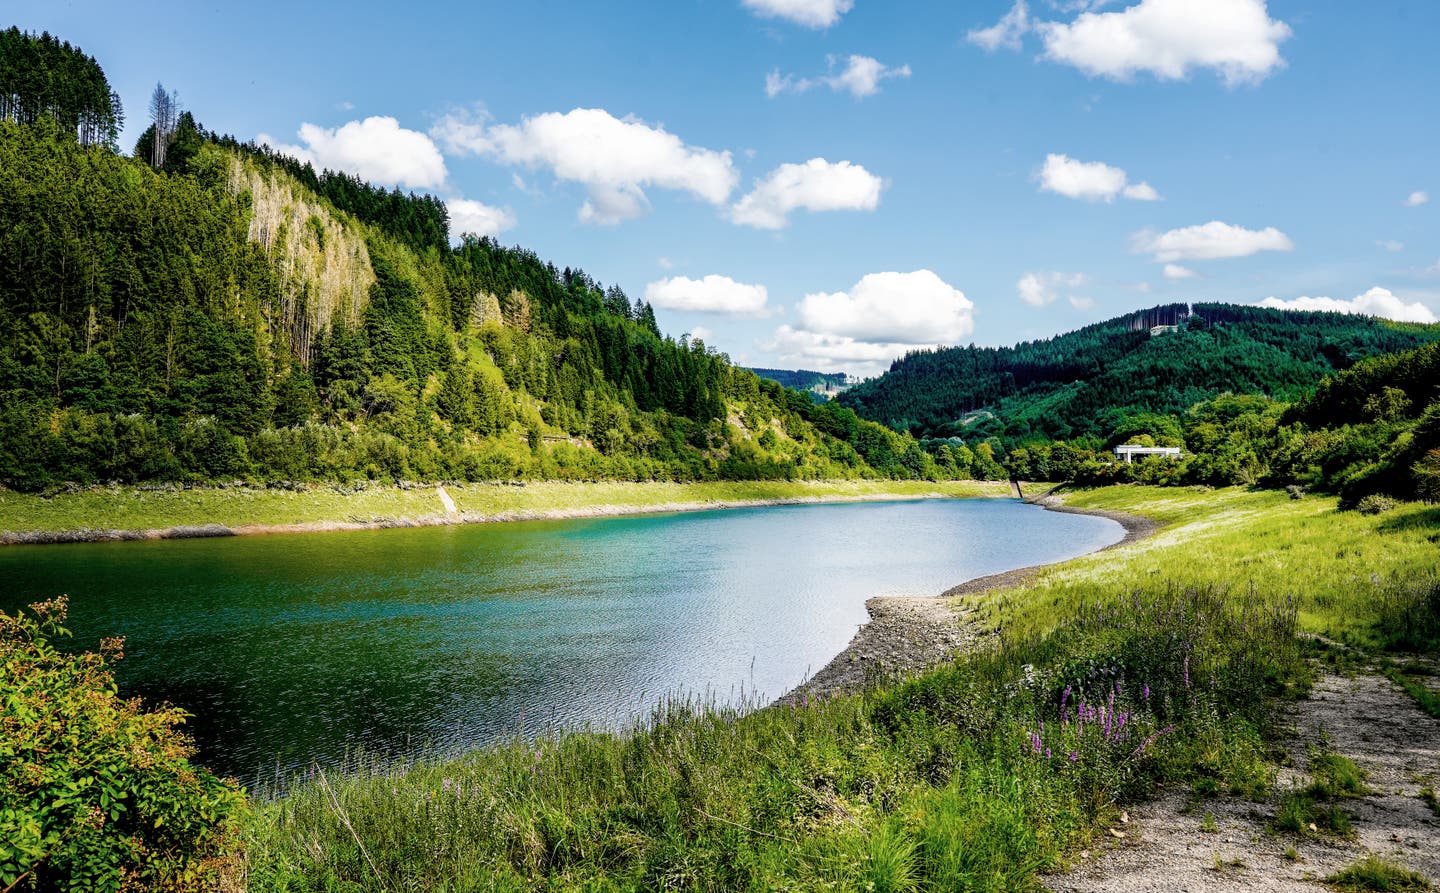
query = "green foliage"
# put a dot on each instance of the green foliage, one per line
(97, 794)
(1375, 873)
(156, 329)
(1086, 383)
(44, 76)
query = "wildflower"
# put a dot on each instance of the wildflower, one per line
(1147, 692)
(1074, 757)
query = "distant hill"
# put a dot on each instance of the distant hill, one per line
(824, 385)
(1085, 383)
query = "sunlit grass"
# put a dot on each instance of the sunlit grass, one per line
(130, 508)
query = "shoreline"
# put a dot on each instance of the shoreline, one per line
(908, 634)
(455, 517)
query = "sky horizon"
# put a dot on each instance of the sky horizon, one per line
(825, 184)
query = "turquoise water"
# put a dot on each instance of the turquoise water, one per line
(293, 649)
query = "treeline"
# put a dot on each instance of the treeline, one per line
(1085, 383)
(42, 75)
(1373, 429)
(152, 334)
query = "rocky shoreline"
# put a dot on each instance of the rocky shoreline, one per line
(909, 634)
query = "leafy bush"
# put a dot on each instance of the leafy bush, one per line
(97, 794)
(1375, 504)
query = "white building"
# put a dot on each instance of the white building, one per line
(1128, 452)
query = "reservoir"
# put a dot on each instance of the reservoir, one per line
(296, 649)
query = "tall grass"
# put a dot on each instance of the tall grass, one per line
(973, 777)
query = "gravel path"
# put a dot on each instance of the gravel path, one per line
(1366, 718)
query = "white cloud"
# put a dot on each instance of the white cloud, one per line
(615, 159)
(1390, 245)
(816, 185)
(1005, 33)
(1039, 289)
(834, 353)
(1375, 302)
(1091, 180)
(1080, 303)
(713, 294)
(700, 333)
(1175, 272)
(810, 13)
(861, 77)
(886, 308)
(376, 149)
(1209, 241)
(1169, 39)
(468, 216)
(1417, 198)
(665, 263)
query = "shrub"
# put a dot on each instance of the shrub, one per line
(1374, 504)
(97, 794)
(1296, 491)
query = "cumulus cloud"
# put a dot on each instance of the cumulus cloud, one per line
(816, 185)
(888, 308)
(1169, 39)
(1375, 302)
(810, 13)
(1175, 272)
(1209, 241)
(1080, 303)
(860, 77)
(615, 159)
(468, 216)
(1040, 289)
(713, 294)
(1390, 245)
(1417, 198)
(1166, 38)
(376, 149)
(1006, 33)
(833, 353)
(700, 333)
(1091, 181)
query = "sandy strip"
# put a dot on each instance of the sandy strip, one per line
(106, 535)
(909, 634)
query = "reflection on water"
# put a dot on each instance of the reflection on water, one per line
(289, 649)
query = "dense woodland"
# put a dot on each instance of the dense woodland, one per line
(41, 75)
(230, 314)
(1087, 382)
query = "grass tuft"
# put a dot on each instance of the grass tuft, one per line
(1374, 873)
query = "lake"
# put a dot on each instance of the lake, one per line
(294, 649)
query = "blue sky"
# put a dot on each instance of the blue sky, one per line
(827, 183)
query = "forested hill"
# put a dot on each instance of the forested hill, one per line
(207, 311)
(1084, 383)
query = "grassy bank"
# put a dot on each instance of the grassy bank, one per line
(128, 508)
(1157, 663)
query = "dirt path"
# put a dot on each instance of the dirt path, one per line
(1366, 718)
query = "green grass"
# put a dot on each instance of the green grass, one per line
(129, 508)
(1336, 777)
(975, 776)
(1342, 569)
(1374, 873)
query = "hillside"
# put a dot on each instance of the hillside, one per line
(821, 385)
(1087, 382)
(233, 315)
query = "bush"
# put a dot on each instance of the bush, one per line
(97, 794)
(1296, 491)
(1374, 504)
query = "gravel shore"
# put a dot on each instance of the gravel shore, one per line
(909, 634)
